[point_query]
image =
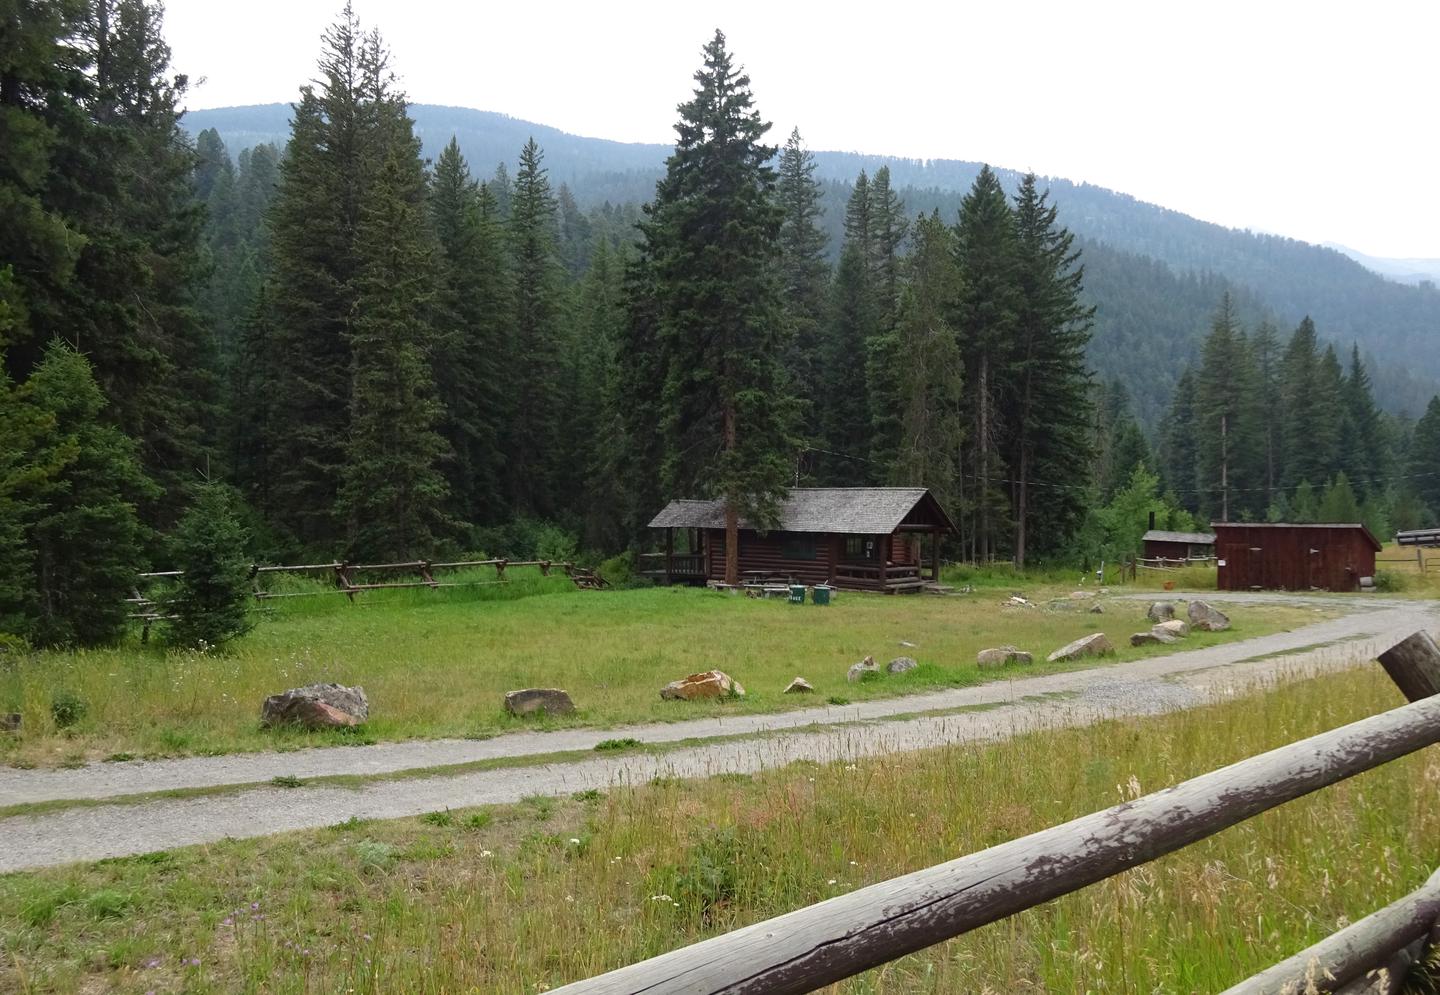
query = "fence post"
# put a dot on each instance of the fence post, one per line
(1414, 665)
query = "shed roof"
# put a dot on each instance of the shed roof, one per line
(1193, 538)
(862, 510)
(1302, 525)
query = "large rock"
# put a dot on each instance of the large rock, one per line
(1206, 618)
(799, 686)
(858, 671)
(1002, 656)
(317, 706)
(710, 684)
(1097, 610)
(1079, 596)
(1161, 611)
(11, 721)
(1175, 627)
(529, 701)
(901, 664)
(1095, 644)
(1153, 637)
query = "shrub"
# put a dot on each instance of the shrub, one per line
(1390, 580)
(67, 708)
(211, 598)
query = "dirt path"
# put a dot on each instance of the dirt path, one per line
(1150, 686)
(1370, 620)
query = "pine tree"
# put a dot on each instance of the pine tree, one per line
(313, 223)
(1047, 385)
(713, 237)
(1305, 506)
(846, 413)
(887, 229)
(392, 492)
(1423, 467)
(607, 486)
(916, 375)
(212, 596)
(1339, 504)
(1365, 447)
(83, 483)
(985, 315)
(539, 285)
(1311, 426)
(1265, 349)
(1179, 456)
(803, 264)
(1227, 424)
(471, 314)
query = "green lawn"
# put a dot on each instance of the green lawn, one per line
(438, 663)
(516, 899)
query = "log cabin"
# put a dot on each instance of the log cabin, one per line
(854, 538)
(1178, 546)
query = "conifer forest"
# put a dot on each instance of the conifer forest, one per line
(356, 351)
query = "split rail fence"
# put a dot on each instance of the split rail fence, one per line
(351, 579)
(816, 946)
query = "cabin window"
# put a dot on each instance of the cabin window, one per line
(862, 548)
(799, 547)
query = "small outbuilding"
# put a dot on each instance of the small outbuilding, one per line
(858, 538)
(1254, 556)
(1162, 545)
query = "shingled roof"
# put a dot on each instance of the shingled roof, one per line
(1194, 538)
(860, 510)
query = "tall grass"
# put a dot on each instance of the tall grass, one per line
(437, 663)
(525, 897)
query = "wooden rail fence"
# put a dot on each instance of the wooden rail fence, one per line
(822, 944)
(351, 579)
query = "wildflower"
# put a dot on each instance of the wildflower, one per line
(661, 898)
(831, 881)
(367, 937)
(854, 863)
(486, 853)
(574, 841)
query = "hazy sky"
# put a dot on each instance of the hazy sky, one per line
(1314, 120)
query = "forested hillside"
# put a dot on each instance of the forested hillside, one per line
(1397, 327)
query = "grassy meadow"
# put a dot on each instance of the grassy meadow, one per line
(437, 663)
(518, 899)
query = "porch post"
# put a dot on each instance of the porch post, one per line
(832, 544)
(885, 564)
(935, 555)
(669, 553)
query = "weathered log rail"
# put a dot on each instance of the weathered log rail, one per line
(821, 944)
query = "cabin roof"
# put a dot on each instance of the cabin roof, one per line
(861, 510)
(1369, 536)
(1193, 538)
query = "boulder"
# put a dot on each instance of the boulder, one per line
(1153, 637)
(901, 664)
(1078, 595)
(11, 721)
(710, 684)
(1095, 644)
(1161, 611)
(1002, 656)
(317, 706)
(1097, 610)
(799, 686)
(1175, 627)
(529, 701)
(858, 671)
(1206, 618)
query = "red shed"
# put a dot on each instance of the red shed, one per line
(1329, 557)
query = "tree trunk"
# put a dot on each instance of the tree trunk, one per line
(983, 467)
(732, 517)
(1224, 468)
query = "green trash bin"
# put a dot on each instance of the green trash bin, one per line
(821, 595)
(797, 594)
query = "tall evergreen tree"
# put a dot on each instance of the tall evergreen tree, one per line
(539, 285)
(1423, 467)
(471, 314)
(803, 264)
(845, 410)
(1311, 426)
(1047, 385)
(1227, 424)
(887, 229)
(316, 260)
(1265, 350)
(713, 236)
(916, 376)
(985, 315)
(392, 492)
(1178, 454)
(1365, 452)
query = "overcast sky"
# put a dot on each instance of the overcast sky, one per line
(1314, 120)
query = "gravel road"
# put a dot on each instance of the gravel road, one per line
(1159, 684)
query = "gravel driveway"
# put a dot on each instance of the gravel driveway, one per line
(1157, 684)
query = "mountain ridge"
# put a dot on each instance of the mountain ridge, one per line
(1396, 325)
